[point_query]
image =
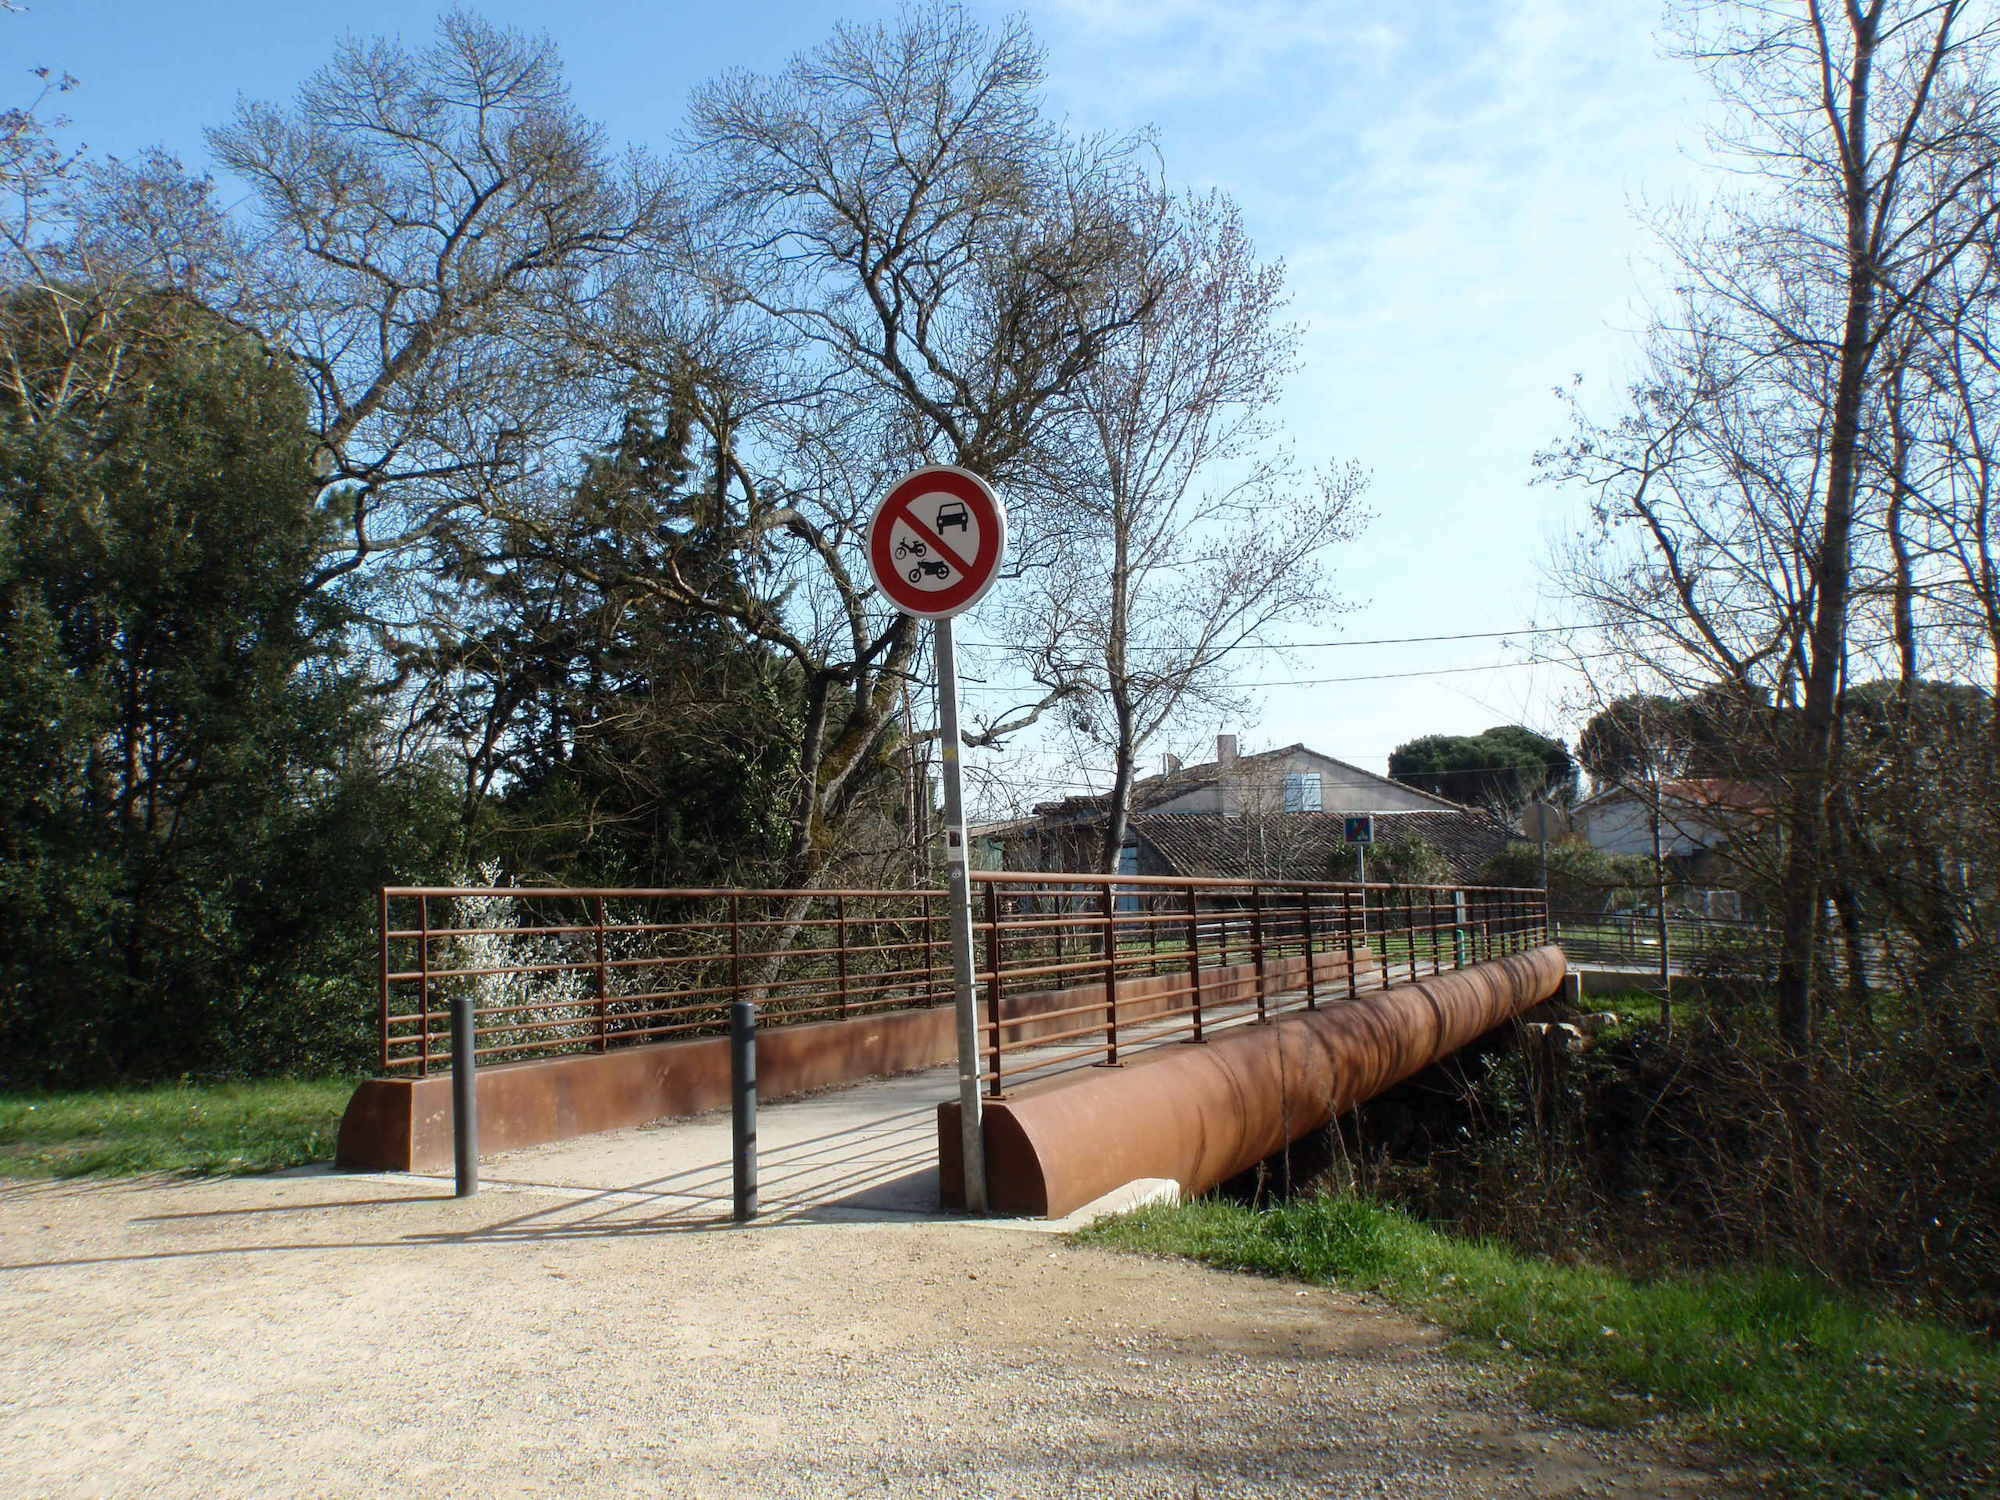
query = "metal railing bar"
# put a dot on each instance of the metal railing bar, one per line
(1028, 1069)
(424, 981)
(1236, 933)
(1094, 1007)
(1217, 883)
(660, 893)
(1232, 1013)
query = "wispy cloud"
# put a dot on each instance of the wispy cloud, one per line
(1451, 184)
(1182, 49)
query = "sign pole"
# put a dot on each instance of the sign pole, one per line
(934, 547)
(958, 882)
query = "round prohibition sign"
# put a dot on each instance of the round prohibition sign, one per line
(936, 541)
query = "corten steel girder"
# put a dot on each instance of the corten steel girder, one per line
(1200, 1114)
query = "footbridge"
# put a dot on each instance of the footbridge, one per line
(1130, 1027)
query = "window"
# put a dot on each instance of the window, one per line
(1302, 792)
(1128, 864)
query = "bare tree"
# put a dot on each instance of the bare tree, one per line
(427, 225)
(1188, 538)
(1639, 745)
(78, 243)
(930, 243)
(899, 259)
(1742, 496)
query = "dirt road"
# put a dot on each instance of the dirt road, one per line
(346, 1336)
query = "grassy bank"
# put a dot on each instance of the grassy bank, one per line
(194, 1128)
(1839, 1398)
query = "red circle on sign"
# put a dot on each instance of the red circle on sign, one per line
(975, 574)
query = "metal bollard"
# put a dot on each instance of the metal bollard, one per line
(464, 1097)
(743, 1104)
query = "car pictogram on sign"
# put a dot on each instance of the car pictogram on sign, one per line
(951, 514)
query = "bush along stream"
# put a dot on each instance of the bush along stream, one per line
(1605, 1215)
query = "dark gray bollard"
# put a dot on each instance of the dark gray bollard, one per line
(464, 1097)
(743, 1104)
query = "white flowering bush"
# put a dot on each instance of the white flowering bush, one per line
(551, 1004)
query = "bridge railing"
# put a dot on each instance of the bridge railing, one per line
(1702, 945)
(1085, 970)
(572, 969)
(1071, 969)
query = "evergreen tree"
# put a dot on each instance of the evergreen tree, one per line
(1503, 769)
(189, 816)
(608, 733)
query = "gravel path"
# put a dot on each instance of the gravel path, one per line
(338, 1336)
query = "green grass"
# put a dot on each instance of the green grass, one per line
(197, 1129)
(1837, 1397)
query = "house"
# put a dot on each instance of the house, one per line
(1278, 815)
(1700, 819)
(1307, 845)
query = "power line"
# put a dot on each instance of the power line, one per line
(1268, 780)
(1390, 640)
(1092, 791)
(1328, 681)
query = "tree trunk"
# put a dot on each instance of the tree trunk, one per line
(1812, 763)
(1117, 817)
(1126, 752)
(1665, 927)
(1846, 848)
(831, 772)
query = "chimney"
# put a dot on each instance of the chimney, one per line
(1169, 763)
(1225, 750)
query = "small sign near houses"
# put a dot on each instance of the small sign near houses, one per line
(1360, 830)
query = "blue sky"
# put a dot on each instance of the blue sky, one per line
(1452, 184)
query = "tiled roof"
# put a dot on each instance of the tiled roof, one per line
(1002, 829)
(1151, 791)
(1311, 846)
(1718, 794)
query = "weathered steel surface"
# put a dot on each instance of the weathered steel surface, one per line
(404, 1124)
(1200, 1114)
(562, 970)
(1039, 1014)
